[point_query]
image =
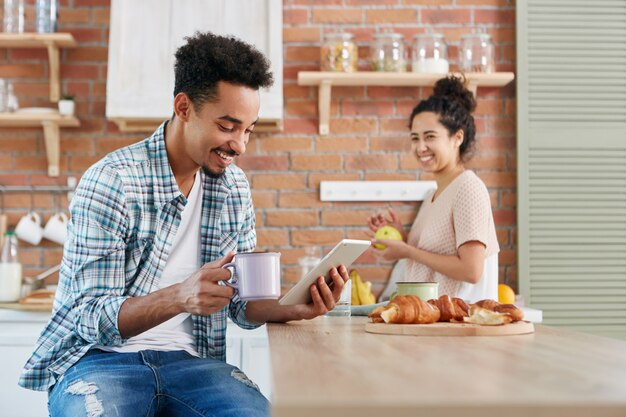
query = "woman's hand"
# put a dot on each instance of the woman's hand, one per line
(394, 250)
(378, 220)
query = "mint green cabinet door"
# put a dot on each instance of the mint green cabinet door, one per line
(571, 142)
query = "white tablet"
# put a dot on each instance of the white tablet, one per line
(344, 253)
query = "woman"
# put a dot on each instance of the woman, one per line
(453, 239)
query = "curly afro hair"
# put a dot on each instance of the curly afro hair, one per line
(207, 58)
(454, 104)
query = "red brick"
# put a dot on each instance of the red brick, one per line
(19, 142)
(391, 143)
(301, 35)
(302, 53)
(265, 237)
(339, 126)
(279, 181)
(79, 3)
(88, 53)
(409, 162)
(505, 217)
(89, 72)
(101, 16)
(446, 16)
(22, 71)
(85, 35)
(296, 91)
(301, 126)
(509, 199)
(302, 108)
(315, 162)
(497, 16)
(316, 178)
(298, 199)
(397, 92)
(337, 15)
(378, 16)
(76, 144)
(427, 2)
(318, 2)
(482, 161)
(371, 162)
(82, 163)
(285, 144)
(292, 218)
(68, 15)
(295, 16)
(263, 199)
(341, 144)
(503, 236)
(263, 163)
(395, 126)
(387, 176)
(367, 108)
(19, 54)
(352, 93)
(345, 217)
(316, 237)
(371, 2)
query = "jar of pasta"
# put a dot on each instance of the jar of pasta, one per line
(388, 53)
(339, 52)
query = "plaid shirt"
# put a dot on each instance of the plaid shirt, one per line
(124, 216)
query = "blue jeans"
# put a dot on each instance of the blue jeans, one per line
(154, 383)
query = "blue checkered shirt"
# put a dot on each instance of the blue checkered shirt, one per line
(124, 216)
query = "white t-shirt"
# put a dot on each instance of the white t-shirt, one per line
(183, 260)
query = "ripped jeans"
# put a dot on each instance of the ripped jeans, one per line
(154, 383)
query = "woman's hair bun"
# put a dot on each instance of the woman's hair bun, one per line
(453, 89)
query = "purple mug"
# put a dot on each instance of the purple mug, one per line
(256, 275)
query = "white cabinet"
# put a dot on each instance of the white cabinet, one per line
(246, 349)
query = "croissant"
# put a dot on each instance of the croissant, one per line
(450, 308)
(406, 309)
(512, 311)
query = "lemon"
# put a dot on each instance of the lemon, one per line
(506, 295)
(386, 232)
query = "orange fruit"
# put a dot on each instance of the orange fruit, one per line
(506, 295)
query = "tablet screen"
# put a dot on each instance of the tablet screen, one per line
(344, 253)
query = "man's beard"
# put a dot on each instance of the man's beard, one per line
(212, 174)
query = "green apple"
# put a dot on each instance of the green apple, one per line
(386, 232)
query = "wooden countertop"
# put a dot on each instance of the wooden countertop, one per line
(331, 367)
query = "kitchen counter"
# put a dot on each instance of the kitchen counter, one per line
(330, 367)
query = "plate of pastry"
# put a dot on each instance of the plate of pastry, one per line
(366, 309)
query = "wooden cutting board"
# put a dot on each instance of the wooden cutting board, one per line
(27, 307)
(451, 329)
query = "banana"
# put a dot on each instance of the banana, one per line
(356, 280)
(361, 291)
(366, 296)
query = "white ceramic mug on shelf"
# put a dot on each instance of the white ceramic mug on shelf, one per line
(29, 228)
(56, 228)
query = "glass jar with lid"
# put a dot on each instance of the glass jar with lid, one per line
(339, 53)
(388, 53)
(477, 53)
(430, 53)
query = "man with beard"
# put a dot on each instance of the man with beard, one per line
(139, 319)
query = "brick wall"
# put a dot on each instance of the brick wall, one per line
(368, 139)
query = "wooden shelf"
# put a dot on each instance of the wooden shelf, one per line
(149, 125)
(52, 42)
(51, 123)
(325, 81)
